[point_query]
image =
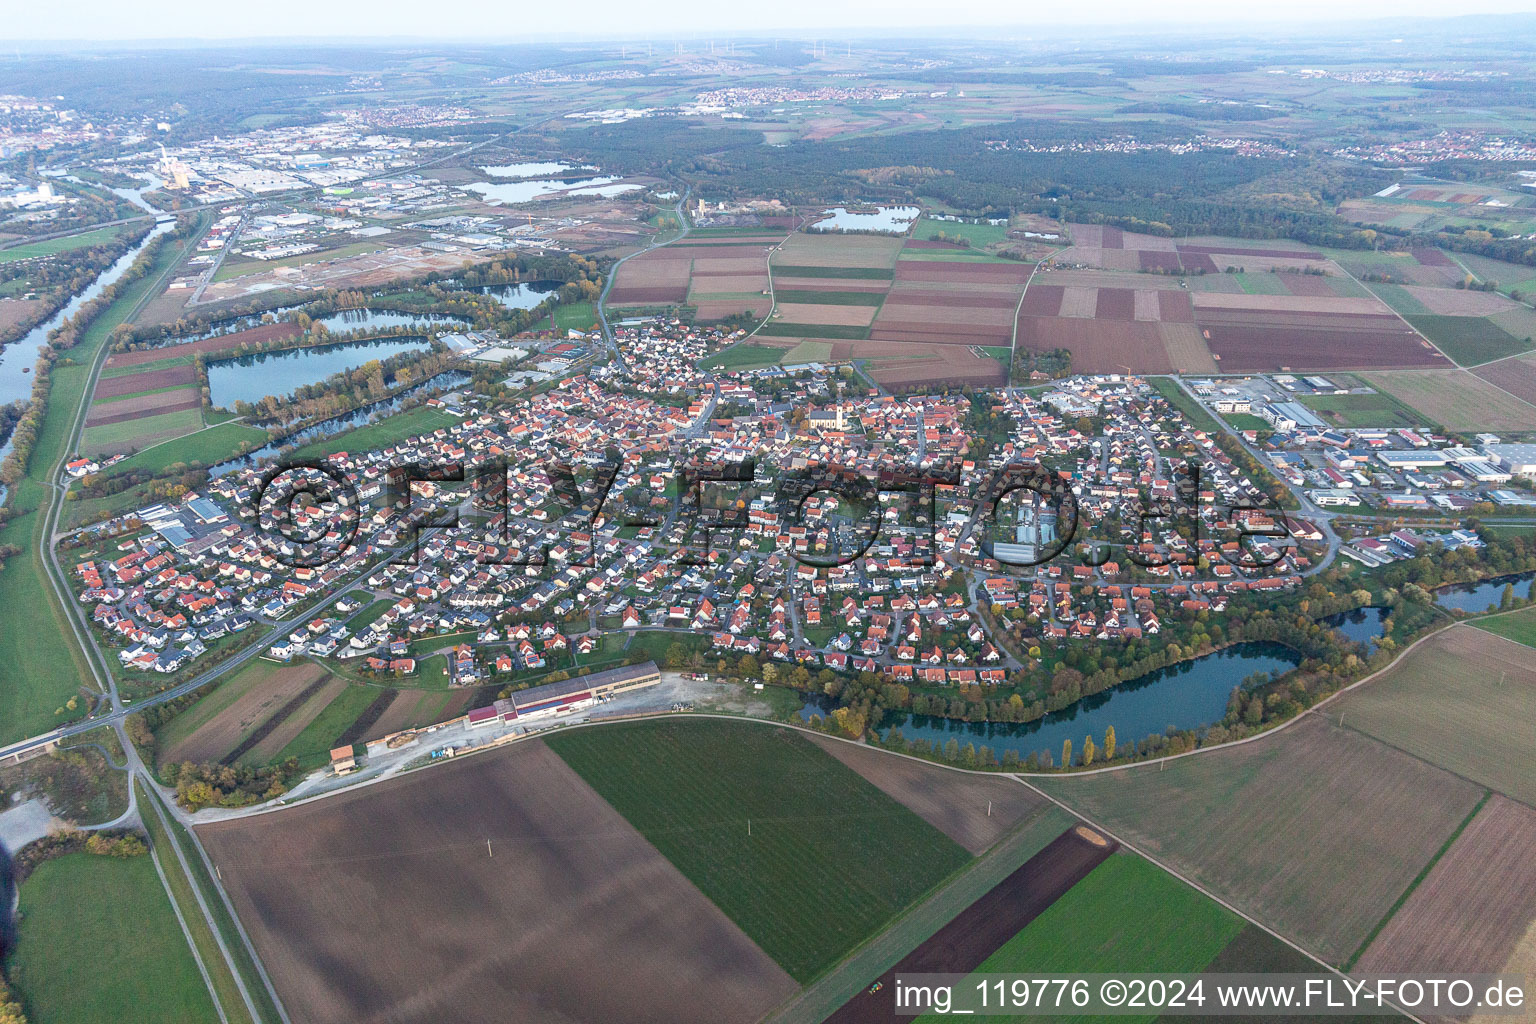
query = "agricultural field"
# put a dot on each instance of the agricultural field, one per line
(1455, 399)
(1304, 830)
(97, 935)
(1516, 375)
(1452, 701)
(1473, 907)
(225, 720)
(1124, 328)
(509, 869)
(54, 246)
(1432, 205)
(690, 787)
(988, 922)
(1127, 915)
(1519, 626)
(1470, 340)
(1378, 410)
(974, 811)
(841, 298)
(719, 274)
(151, 395)
(1124, 302)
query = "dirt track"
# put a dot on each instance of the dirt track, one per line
(961, 946)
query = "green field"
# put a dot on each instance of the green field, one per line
(181, 886)
(1246, 421)
(52, 246)
(1180, 399)
(829, 298)
(1400, 299)
(207, 447)
(977, 234)
(808, 352)
(100, 943)
(1377, 410)
(115, 437)
(380, 434)
(131, 369)
(957, 256)
(741, 357)
(575, 316)
(1262, 284)
(829, 859)
(313, 746)
(1519, 626)
(40, 663)
(1128, 915)
(1470, 340)
(846, 273)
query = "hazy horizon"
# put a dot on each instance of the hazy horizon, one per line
(482, 22)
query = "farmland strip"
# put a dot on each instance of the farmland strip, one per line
(265, 729)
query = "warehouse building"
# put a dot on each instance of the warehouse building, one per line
(567, 695)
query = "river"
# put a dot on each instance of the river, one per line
(18, 358)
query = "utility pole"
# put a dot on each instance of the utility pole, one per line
(488, 852)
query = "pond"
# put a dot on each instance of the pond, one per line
(373, 319)
(525, 295)
(531, 169)
(1473, 598)
(444, 381)
(514, 192)
(895, 219)
(251, 378)
(1188, 695)
(1363, 625)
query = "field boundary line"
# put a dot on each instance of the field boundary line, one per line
(1404, 319)
(1200, 888)
(1418, 879)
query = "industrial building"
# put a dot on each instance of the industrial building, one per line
(567, 695)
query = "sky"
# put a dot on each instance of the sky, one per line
(500, 20)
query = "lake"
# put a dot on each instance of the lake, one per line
(445, 381)
(531, 169)
(1363, 625)
(1485, 596)
(894, 219)
(525, 295)
(1188, 695)
(513, 192)
(251, 378)
(374, 319)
